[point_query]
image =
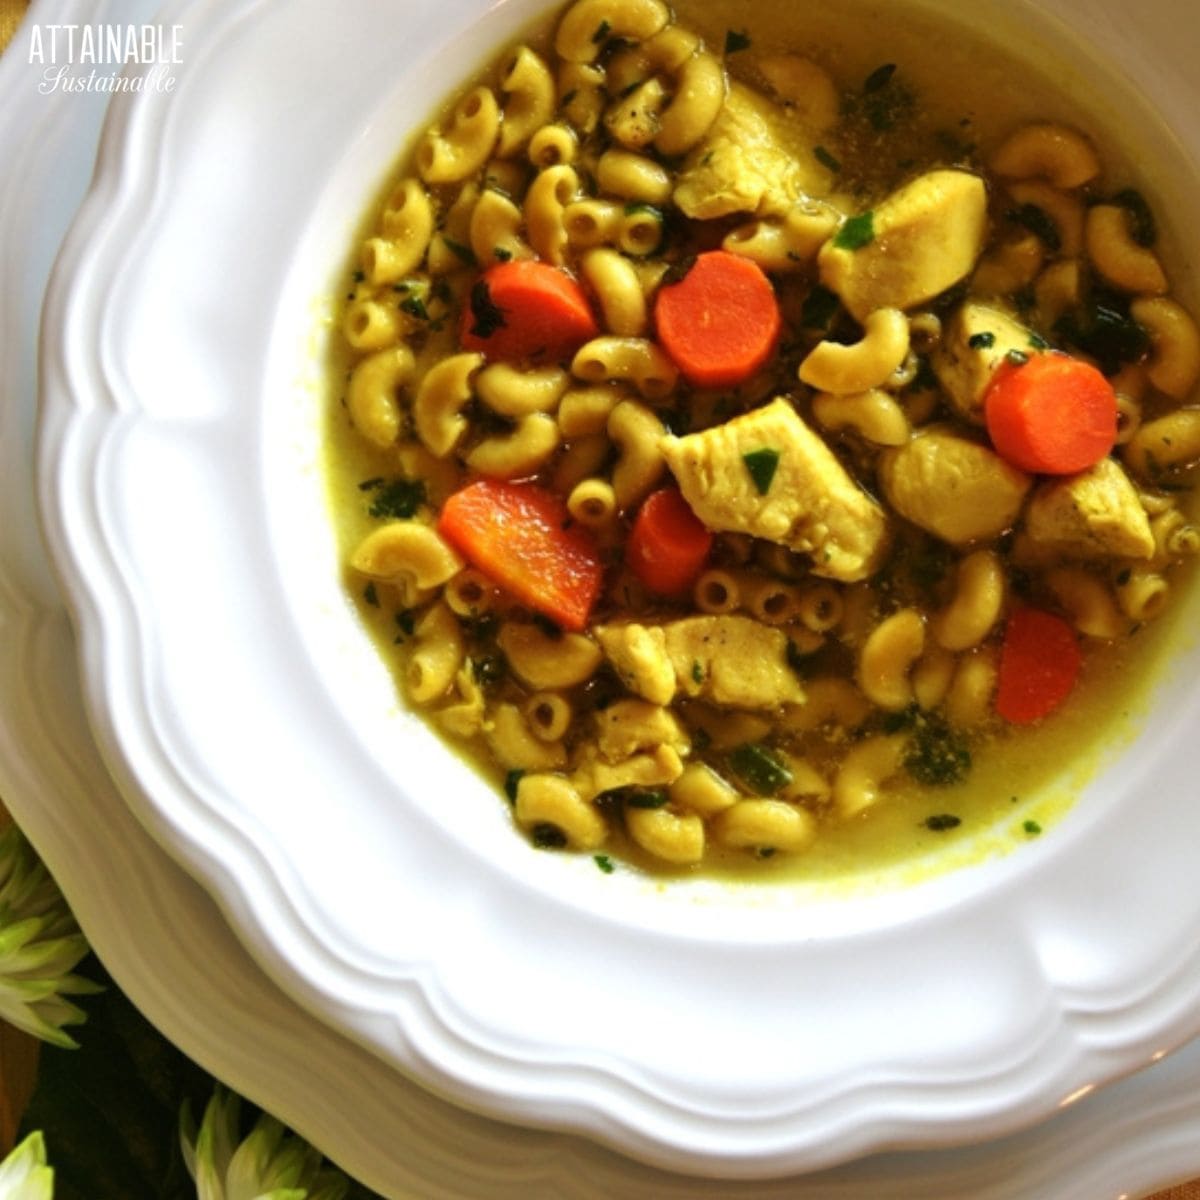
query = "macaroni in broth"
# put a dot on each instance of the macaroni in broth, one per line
(749, 453)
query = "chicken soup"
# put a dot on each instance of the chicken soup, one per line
(757, 444)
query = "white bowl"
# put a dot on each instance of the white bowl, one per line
(253, 730)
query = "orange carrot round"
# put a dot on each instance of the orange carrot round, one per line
(1052, 415)
(526, 309)
(720, 323)
(521, 537)
(1040, 661)
(668, 544)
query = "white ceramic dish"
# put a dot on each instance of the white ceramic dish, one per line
(164, 941)
(253, 732)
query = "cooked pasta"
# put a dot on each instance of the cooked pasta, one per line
(696, 395)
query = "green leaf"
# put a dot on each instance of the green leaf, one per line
(400, 499)
(759, 768)
(108, 1110)
(762, 464)
(24, 1174)
(856, 232)
(826, 159)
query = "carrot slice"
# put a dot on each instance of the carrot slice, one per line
(668, 544)
(720, 322)
(520, 536)
(1052, 415)
(526, 309)
(1040, 661)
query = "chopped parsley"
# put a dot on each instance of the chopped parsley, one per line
(1018, 358)
(500, 254)
(878, 78)
(646, 798)
(1032, 828)
(371, 595)
(826, 159)
(697, 671)
(489, 669)
(937, 756)
(736, 40)
(399, 499)
(415, 307)
(981, 341)
(1141, 220)
(464, 252)
(761, 464)
(818, 308)
(796, 660)
(1103, 329)
(487, 317)
(604, 863)
(510, 784)
(856, 232)
(1038, 223)
(407, 621)
(369, 485)
(940, 822)
(1037, 342)
(602, 32)
(759, 768)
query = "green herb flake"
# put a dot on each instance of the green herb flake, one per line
(604, 863)
(819, 307)
(937, 756)
(1141, 220)
(697, 672)
(371, 595)
(1038, 223)
(796, 660)
(500, 254)
(646, 798)
(488, 669)
(398, 500)
(1037, 342)
(940, 822)
(369, 485)
(415, 307)
(826, 159)
(602, 32)
(634, 207)
(1018, 358)
(736, 40)
(981, 341)
(487, 317)
(760, 768)
(762, 464)
(856, 232)
(1032, 828)
(407, 621)
(463, 252)
(511, 780)
(879, 78)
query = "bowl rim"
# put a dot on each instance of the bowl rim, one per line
(416, 1003)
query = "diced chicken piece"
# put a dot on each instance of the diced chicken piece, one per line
(975, 341)
(926, 237)
(952, 487)
(754, 159)
(638, 654)
(730, 660)
(1095, 514)
(627, 726)
(656, 769)
(809, 502)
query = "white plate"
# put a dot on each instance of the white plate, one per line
(252, 730)
(164, 941)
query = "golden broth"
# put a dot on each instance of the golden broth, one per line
(957, 95)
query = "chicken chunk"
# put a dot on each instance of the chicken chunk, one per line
(975, 341)
(808, 502)
(1095, 514)
(729, 660)
(956, 489)
(925, 237)
(754, 159)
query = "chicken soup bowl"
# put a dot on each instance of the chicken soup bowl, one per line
(736, 740)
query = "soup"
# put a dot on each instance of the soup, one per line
(753, 444)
